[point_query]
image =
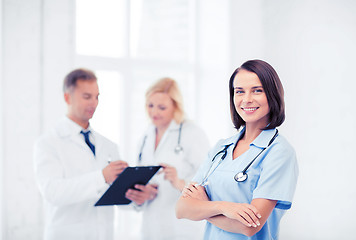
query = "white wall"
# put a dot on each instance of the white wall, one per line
(213, 57)
(57, 50)
(36, 53)
(21, 78)
(312, 46)
(1, 127)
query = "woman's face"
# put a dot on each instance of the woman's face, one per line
(160, 108)
(250, 99)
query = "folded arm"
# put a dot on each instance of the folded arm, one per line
(264, 207)
(242, 218)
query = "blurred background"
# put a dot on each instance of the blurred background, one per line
(132, 43)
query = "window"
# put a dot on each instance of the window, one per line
(130, 45)
(100, 26)
(107, 117)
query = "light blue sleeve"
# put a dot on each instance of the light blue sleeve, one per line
(202, 170)
(278, 177)
(196, 147)
(205, 166)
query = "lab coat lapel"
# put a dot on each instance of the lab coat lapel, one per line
(151, 140)
(79, 140)
(99, 145)
(172, 126)
(69, 129)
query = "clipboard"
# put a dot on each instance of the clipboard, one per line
(115, 195)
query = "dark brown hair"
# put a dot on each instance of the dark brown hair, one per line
(70, 81)
(271, 85)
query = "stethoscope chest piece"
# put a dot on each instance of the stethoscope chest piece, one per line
(240, 177)
(178, 149)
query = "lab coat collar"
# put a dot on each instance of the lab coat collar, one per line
(173, 126)
(67, 128)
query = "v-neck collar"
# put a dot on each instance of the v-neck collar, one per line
(173, 126)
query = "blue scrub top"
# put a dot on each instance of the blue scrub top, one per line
(273, 175)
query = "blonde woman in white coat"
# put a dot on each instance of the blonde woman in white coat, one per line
(179, 146)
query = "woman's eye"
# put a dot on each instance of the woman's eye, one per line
(239, 92)
(258, 91)
(162, 108)
(150, 105)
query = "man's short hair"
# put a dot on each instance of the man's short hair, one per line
(70, 81)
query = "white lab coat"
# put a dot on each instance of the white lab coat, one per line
(70, 180)
(159, 220)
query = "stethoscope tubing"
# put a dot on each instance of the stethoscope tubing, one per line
(178, 149)
(240, 176)
(203, 183)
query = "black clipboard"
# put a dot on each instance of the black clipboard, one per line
(115, 195)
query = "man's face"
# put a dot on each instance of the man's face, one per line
(82, 102)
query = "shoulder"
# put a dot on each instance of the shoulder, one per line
(191, 127)
(195, 136)
(223, 142)
(149, 133)
(282, 144)
(58, 130)
(281, 152)
(47, 141)
(229, 140)
(103, 139)
(61, 130)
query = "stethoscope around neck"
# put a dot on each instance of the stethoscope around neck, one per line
(240, 176)
(178, 149)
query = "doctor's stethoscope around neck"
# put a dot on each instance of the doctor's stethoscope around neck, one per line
(178, 149)
(240, 176)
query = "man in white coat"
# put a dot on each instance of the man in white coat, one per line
(72, 169)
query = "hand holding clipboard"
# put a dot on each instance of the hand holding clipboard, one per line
(131, 176)
(113, 170)
(142, 193)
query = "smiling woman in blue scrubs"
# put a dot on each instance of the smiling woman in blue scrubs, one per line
(248, 181)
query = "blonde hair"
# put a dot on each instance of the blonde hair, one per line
(170, 87)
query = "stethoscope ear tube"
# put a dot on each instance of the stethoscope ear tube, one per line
(143, 144)
(205, 182)
(178, 149)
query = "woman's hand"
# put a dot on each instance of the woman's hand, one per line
(170, 174)
(245, 213)
(195, 191)
(142, 193)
